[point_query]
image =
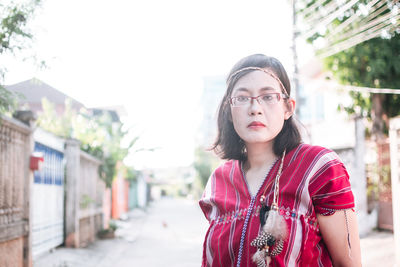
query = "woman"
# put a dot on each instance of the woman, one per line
(276, 201)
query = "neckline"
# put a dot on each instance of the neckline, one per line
(263, 182)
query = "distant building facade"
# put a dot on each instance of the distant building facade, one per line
(34, 90)
(325, 125)
(213, 91)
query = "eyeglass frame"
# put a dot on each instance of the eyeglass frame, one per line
(280, 96)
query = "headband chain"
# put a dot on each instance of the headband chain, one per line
(270, 73)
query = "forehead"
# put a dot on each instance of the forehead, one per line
(256, 81)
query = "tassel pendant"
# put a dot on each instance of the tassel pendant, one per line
(264, 214)
(275, 224)
(259, 258)
(270, 240)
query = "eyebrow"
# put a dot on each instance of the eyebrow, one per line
(243, 89)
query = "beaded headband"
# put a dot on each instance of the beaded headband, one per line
(270, 73)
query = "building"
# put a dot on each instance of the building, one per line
(320, 96)
(213, 91)
(32, 92)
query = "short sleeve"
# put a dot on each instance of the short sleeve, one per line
(206, 202)
(330, 187)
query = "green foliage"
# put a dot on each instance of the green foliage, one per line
(52, 122)
(204, 163)
(13, 36)
(369, 64)
(99, 135)
(8, 101)
(361, 105)
(131, 174)
(86, 200)
(373, 63)
(14, 17)
(112, 225)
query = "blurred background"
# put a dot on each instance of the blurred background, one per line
(108, 111)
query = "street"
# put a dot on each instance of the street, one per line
(170, 233)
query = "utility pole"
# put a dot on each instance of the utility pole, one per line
(295, 61)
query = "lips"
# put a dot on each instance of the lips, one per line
(256, 124)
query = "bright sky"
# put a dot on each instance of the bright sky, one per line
(150, 57)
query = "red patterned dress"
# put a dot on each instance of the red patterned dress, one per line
(314, 180)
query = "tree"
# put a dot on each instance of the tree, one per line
(371, 64)
(358, 41)
(100, 136)
(14, 36)
(204, 163)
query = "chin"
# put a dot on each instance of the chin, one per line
(257, 141)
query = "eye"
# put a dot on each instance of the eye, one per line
(242, 98)
(267, 97)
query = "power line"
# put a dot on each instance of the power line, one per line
(320, 12)
(370, 90)
(359, 38)
(311, 8)
(329, 18)
(354, 19)
(354, 30)
(371, 25)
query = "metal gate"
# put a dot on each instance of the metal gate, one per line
(48, 201)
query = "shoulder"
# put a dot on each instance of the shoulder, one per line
(226, 168)
(222, 172)
(315, 161)
(215, 187)
(313, 153)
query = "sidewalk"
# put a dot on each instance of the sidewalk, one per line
(102, 253)
(377, 249)
(170, 233)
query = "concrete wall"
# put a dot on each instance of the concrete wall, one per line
(353, 159)
(84, 196)
(394, 134)
(16, 180)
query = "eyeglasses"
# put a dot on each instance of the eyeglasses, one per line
(264, 100)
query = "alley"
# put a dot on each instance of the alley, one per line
(170, 233)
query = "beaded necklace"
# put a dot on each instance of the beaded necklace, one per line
(249, 211)
(270, 240)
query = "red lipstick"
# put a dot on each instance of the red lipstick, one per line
(256, 124)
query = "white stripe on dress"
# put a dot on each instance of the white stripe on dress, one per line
(305, 200)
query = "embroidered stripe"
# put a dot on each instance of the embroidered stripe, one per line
(234, 218)
(233, 227)
(244, 231)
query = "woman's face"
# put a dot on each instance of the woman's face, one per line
(255, 122)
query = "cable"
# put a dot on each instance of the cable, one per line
(351, 19)
(317, 16)
(328, 19)
(311, 8)
(365, 27)
(355, 40)
(370, 90)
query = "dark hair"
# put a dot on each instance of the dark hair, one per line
(228, 144)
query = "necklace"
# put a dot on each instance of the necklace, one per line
(270, 240)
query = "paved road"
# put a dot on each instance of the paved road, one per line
(171, 233)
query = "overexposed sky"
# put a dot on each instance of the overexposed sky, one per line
(150, 57)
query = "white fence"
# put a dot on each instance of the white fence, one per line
(48, 194)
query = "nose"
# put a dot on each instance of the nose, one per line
(255, 107)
